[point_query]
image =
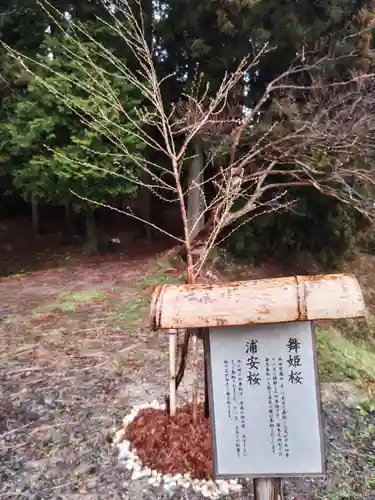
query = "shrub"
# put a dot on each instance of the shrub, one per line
(327, 229)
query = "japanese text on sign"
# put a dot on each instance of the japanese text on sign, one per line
(270, 397)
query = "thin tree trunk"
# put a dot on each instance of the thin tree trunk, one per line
(35, 214)
(91, 237)
(192, 223)
(195, 204)
(195, 211)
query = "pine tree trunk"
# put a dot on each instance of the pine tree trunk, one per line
(35, 215)
(91, 236)
(145, 198)
(68, 222)
(365, 17)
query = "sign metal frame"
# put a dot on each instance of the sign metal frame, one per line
(319, 417)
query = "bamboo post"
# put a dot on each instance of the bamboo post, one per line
(268, 489)
(172, 372)
(279, 300)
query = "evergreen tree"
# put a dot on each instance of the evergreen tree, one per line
(79, 138)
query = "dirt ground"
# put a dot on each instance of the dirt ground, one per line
(76, 354)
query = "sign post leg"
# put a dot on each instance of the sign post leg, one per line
(206, 369)
(268, 489)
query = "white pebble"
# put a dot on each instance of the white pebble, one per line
(140, 474)
(137, 466)
(152, 480)
(126, 420)
(145, 473)
(186, 485)
(167, 478)
(233, 481)
(197, 488)
(129, 465)
(124, 452)
(119, 436)
(136, 475)
(224, 488)
(235, 487)
(205, 492)
(154, 473)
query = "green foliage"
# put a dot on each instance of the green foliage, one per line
(73, 128)
(316, 224)
(341, 359)
(215, 36)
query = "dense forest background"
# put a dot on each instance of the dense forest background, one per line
(53, 164)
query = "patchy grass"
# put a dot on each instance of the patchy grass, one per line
(81, 296)
(16, 275)
(366, 408)
(341, 359)
(359, 330)
(134, 312)
(133, 307)
(159, 277)
(67, 302)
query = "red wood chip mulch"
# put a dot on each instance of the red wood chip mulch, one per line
(172, 445)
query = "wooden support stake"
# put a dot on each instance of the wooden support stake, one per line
(268, 489)
(194, 351)
(172, 372)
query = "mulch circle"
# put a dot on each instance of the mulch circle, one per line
(173, 445)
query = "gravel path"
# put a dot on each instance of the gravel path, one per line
(67, 378)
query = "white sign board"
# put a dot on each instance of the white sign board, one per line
(265, 401)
